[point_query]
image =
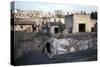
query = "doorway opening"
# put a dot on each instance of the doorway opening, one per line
(34, 28)
(56, 30)
(81, 27)
(92, 29)
(48, 45)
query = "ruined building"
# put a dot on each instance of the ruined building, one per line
(80, 23)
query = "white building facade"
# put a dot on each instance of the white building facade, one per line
(79, 23)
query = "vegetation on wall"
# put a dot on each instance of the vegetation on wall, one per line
(62, 27)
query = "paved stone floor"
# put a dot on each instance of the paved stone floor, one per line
(31, 58)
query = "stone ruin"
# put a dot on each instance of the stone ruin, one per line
(69, 45)
(25, 42)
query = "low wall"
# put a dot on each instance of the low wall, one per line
(24, 42)
(73, 43)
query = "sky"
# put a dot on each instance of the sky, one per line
(27, 5)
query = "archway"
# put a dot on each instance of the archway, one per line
(48, 45)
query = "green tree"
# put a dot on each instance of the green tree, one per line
(93, 15)
(62, 27)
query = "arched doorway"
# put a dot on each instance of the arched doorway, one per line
(48, 45)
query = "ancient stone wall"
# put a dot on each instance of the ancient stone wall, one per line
(73, 43)
(25, 42)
